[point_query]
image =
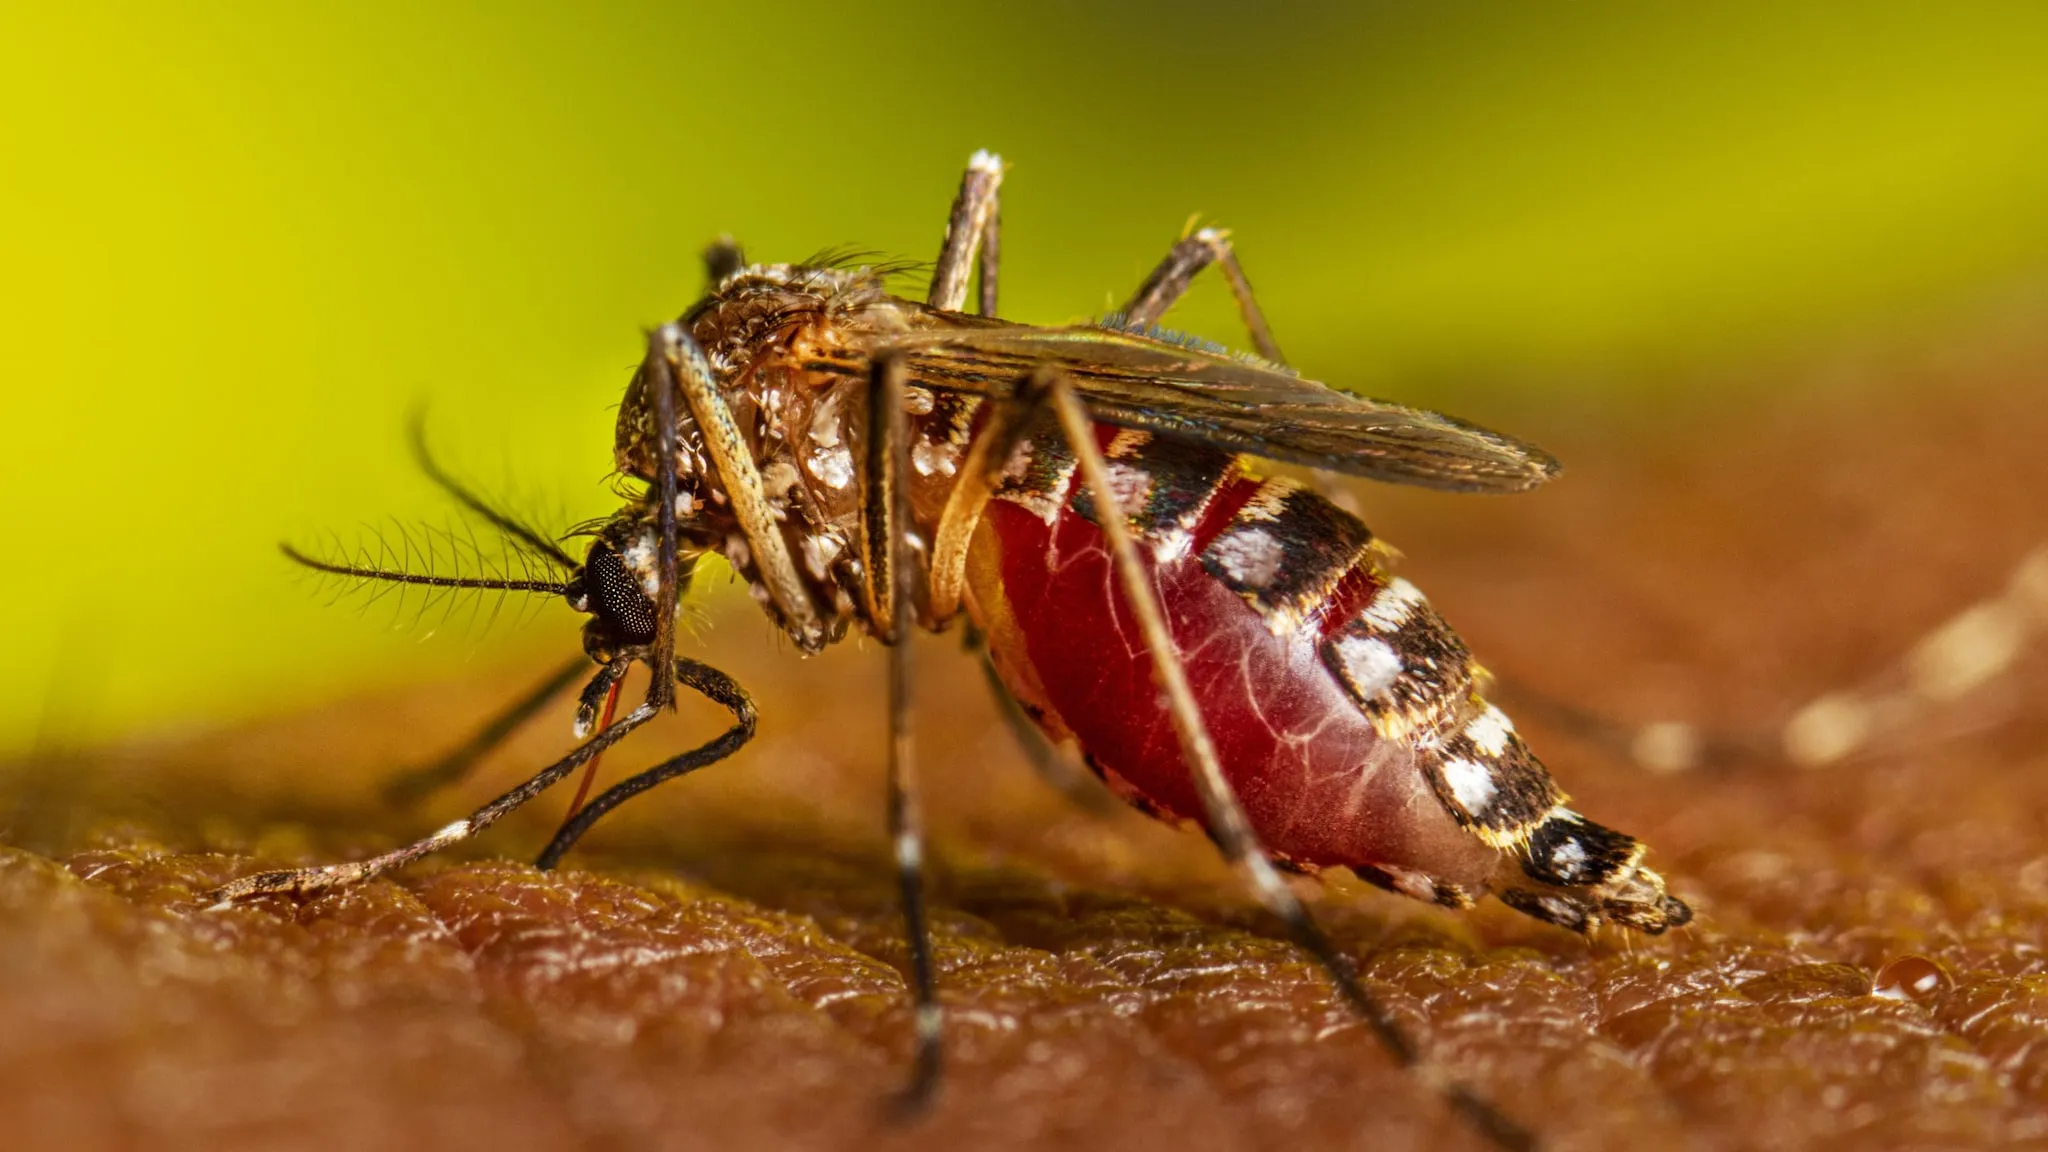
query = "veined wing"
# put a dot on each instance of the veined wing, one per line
(1245, 406)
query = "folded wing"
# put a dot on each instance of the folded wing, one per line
(1247, 406)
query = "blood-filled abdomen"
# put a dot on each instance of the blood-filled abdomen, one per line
(1262, 583)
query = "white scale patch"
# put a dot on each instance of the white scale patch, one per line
(777, 479)
(1019, 464)
(819, 550)
(826, 427)
(1249, 557)
(829, 459)
(738, 552)
(1171, 545)
(1132, 488)
(929, 456)
(909, 854)
(643, 559)
(1568, 859)
(1489, 731)
(1392, 606)
(1471, 784)
(832, 466)
(1371, 665)
(939, 448)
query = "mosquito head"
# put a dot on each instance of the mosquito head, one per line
(616, 585)
(621, 613)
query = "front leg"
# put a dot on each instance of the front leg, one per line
(714, 686)
(675, 366)
(304, 881)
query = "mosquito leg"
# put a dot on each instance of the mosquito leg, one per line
(676, 366)
(1226, 819)
(972, 225)
(991, 259)
(412, 785)
(300, 881)
(713, 685)
(885, 509)
(1948, 665)
(1003, 426)
(1170, 280)
(886, 562)
(722, 258)
(672, 356)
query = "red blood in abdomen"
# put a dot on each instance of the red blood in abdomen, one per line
(1321, 786)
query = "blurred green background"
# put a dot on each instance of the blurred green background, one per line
(242, 240)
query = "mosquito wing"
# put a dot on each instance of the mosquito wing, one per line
(1242, 405)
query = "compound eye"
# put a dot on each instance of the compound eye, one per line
(616, 597)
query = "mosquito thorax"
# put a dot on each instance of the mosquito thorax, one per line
(788, 345)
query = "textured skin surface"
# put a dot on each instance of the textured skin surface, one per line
(718, 968)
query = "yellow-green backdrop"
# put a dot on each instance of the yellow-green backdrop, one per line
(240, 241)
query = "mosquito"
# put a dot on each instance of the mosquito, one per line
(1220, 646)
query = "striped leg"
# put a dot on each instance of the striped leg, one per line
(676, 367)
(1226, 819)
(702, 678)
(886, 560)
(301, 881)
(713, 685)
(975, 225)
(1169, 282)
